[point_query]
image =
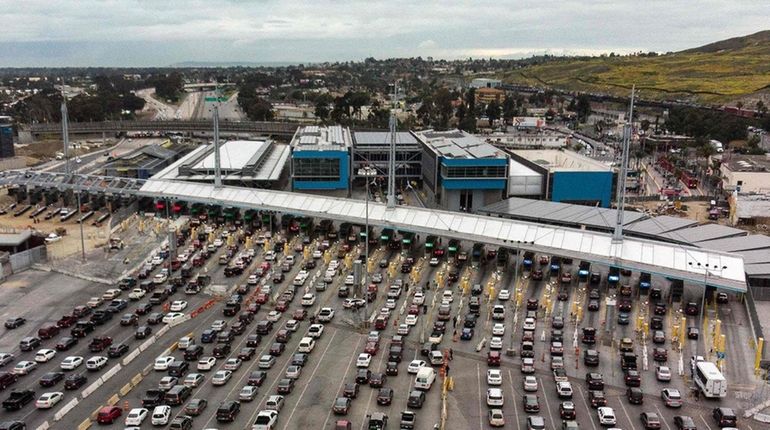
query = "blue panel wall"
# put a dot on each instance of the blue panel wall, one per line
(473, 184)
(455, 162)
(342, 184)
(582, 186)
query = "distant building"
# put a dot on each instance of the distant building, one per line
(320, 158)
(570, 177)
(144, 162)
(489, 95)
(246, 163)
(6, 137)
(372, 149)
(461, 171)
(746, 173)
(532, 139)
(486, 83)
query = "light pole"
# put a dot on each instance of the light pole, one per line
(366, 172)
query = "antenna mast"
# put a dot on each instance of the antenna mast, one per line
(391, 203)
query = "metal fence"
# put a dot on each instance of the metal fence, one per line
(25, 259)
(752, 311)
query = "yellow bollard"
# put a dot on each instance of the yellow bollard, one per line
(639, 323)
(646, 328)
(682, 328)
(758, 353)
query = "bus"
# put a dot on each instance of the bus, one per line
(453, 248)
(710, 380)
(430, 244)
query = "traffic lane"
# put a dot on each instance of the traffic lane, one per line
(465, 403)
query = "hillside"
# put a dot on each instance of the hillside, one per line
(719, 72)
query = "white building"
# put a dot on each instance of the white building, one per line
(746, 173)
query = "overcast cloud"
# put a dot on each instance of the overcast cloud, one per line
(163, 32)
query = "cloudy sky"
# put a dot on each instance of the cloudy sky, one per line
(164, 32)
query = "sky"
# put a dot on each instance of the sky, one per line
(165, 32)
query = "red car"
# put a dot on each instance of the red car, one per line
(66, 321)
(261, 298)
(108, 414)
(414, 310)
(281, 305)
(537, 275)
(299, 314)
(371, 348)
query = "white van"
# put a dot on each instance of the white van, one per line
(306, 344)
(424, 379)
(161, 415)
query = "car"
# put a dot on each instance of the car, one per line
(193, 380)
(535, 422)
(650, 420)
(623, 318)
(684, 422)
(693, 333)
(266, 420)
(167, 382)
(557, 322)
(595, 381)
(48, 400)
(725, 417)
(161, 415)
(672, 398)
(50, 379)
(45, 355)
(557, 349)
(247, 393)
(530, 383)
(285, 386)
(567, 410)
(466, 333)
(564, 389)
(173, 317)
(163, 362)
(24, 367)
(635, 395)
(221, 377)
(341, 405)
(495, 377)
(6, 358)
(557, 363)
(325, 314)
(195, 407)
(178, 306)
(71, 362)
(531, 403)
(391, 368)
(308, 300)
(663, 373)
(363, 375)
(632, 378)
(498, 329)
(722, 298)
(606, 416)
(496, 343)
(529, 324)
(136, 416)
(350, 390)
(232, 364)
(75, 381)
(660, 354)
(597, 398)
(206, 363)
(108, 414)
(591, 357)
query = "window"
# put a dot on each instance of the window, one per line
(740, 183)
(316, 169)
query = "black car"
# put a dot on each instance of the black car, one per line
(183, 422)
(66, 343)
(51, 378)
(15, 323)
(299, 359)
(391, 368)
(350, 390)
(75, 381)
(222, 350)
(470, 320)
(143, 309)
(155, 318)
(384, 396)
(591, 357)
(363, 375)
(377, 380)
(13, 425)
(253, 340)
(285, 386)
(117, 305)
(623, 319)
(257, 378)
(208, 336)
(118, 350)
(656, 323)
(246, 353)
(101, 317)
(595, 381)
(142, 332)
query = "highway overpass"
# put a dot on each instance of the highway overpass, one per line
(283, 129)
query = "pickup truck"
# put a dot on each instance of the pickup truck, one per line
(99, 344)
(152, 397)
(18, 399)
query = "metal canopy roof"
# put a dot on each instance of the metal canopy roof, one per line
(703, 233)
(659, 224)
(686, 262)
(734, 244)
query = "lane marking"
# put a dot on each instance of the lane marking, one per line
(342, 383)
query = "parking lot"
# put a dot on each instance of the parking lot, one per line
(432, 305)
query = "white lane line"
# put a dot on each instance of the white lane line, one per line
(660, 414)
(631, 423)
(312, 374)
(550, 412)
(707, 424)
(513, 400)
(342, 382)
(478, 380)
(371, 392)
(590, 415)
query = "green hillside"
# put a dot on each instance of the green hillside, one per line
(716, 73)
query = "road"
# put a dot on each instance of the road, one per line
(228, 110)
(163, 111)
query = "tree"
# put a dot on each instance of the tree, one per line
(493, 112)
(509, 109)
(761, 108)
(442, 101)
(259, 109)
(645, 125)
(322, 107)
(168, 87)
(583, 107)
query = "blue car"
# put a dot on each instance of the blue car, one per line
(466, 334)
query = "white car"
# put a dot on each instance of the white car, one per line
(24, 367)
(325, 314)
(364, 359)
(403, 329)
(663, 373)
(185, 342)
(221, 377)
(350, 280)
(606, 416)
(529, 324)
(178, 306)
(498, 329)
(193, 380)
(557, 363)
(218, 325)
(433, 262)
(218, 243)
(317, 254)
(564, 389)
(496, 418)
(504, 295)
(173, 317)
(436, 337)
(266, 420)
(418, 299)
(162, 363)
(232, 364)
(207, 363)
(385, 312)
(52, 238)
(274, 403)
(136, 294)
(315, 331)
(6, 358)
(273, 316)
(253, 280)
(95, 302)
(71, 363)
(411, 320)
(156, 260)
(270, 256)
(415, 366)
(136, 416)
(111, 294)
(390, 303)
(291, 325)
(448, 296)
(530, 383)
(495, 397)
(308, 299)
(45, 355)
(97, 362)
(494, 377)
(48, 400)
(159, 278)
(496, 343)
(161, 415)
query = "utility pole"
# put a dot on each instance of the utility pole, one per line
(217, 161)
(391, 203)
(66, 139)
(620, 191)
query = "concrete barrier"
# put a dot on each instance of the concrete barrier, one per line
(86, 424)
(146, 344)
(137, 379)
(91, 388)
(110, 373)
(43, 426)
(130, 357)
(95, 413)
(65, 409)
(112, 401)
(147, 369)
(162, 331)
(125, 389)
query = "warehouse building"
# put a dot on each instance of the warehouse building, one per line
(248, 163)
(320, 158)
(461, 171)
(569, 177)
(746, 173)
(144, 162)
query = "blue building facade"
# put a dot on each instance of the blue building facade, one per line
(6, 137)
(320, 158)
(582, 187)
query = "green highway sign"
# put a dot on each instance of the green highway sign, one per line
(214, 99)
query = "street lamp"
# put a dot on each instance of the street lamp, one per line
(367, 172)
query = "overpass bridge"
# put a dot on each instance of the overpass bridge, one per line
(695, 265)
(283, 129)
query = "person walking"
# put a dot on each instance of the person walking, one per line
(451, 354)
